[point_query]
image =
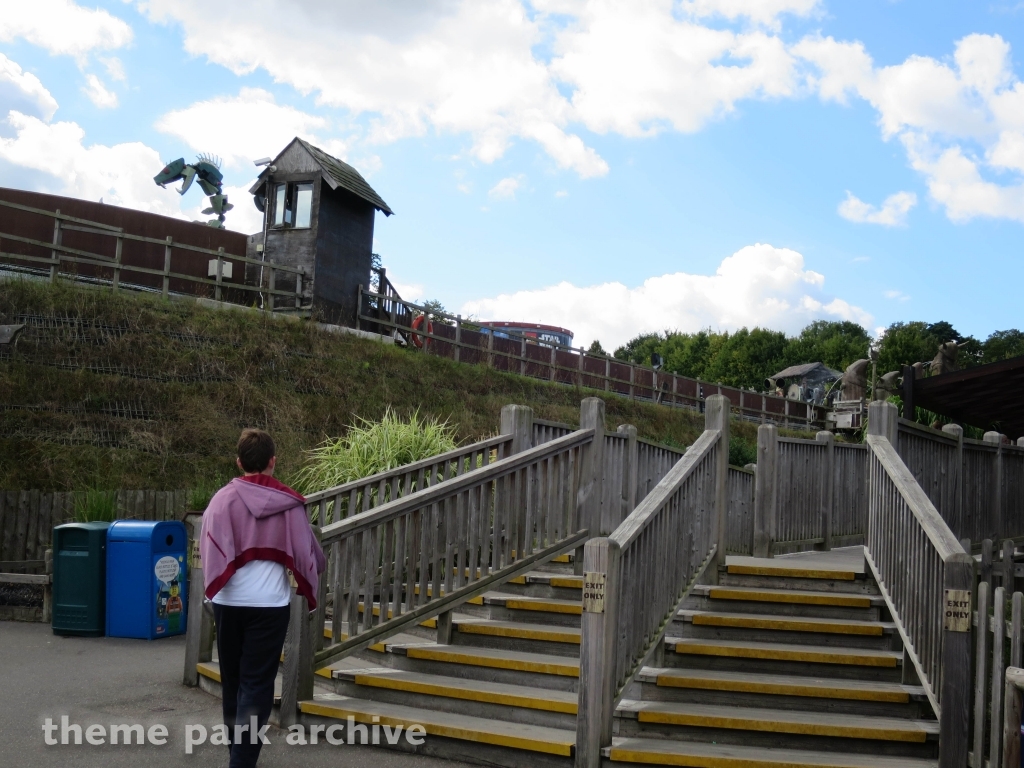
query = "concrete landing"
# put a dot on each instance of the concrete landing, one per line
(842, 559)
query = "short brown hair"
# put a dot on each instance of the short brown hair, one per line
(255, 450)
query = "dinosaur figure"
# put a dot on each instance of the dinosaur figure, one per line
(945, 358)
(206, 169)
(854, 381)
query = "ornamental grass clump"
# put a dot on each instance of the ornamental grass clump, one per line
(371, 447)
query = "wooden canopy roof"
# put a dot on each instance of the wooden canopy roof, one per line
(988, 396)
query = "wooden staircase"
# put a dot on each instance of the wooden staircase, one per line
(786, 662)
(781, 665)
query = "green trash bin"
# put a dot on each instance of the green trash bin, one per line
(79, 579)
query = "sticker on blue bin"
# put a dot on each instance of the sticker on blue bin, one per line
(168, 598)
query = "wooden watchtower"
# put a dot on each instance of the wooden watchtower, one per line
(318, 214)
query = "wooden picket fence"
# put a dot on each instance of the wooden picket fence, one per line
(27, 519)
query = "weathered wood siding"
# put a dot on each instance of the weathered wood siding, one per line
(344, 247)
(849, 497)
(801, 476)
(739, 533)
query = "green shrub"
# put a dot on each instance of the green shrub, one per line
(95, 505)
(371, 447)
(199, 495)
(741, 452)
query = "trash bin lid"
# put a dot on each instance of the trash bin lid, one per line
(148, 531)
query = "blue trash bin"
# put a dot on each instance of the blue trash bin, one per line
(147, 579)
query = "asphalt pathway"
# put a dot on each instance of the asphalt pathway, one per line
(104, 681)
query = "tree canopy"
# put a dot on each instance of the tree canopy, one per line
(745, 358)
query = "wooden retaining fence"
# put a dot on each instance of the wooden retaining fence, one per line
(452, 337)
(27, 518)
(739, 526)
(112, 256)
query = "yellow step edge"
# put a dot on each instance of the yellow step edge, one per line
(628, 755)
(561, 558)
(788, 654)
(454, 692)
(518, 632)
(568, 582)
(532, 604)
(787, 625)
(339, 712)
(794, 573)
(433, 653)
(478, 600)
(208, 670)
(843, 601)
(834, 691)
(782, 726)
(517, 580)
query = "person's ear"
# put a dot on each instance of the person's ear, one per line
(239, 463)
(270, 465)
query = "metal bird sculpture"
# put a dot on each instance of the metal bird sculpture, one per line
(205, 170)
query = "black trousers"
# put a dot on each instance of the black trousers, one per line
(249, 643)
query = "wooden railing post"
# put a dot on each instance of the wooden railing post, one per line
(629, 472)
(517, 421)
(458, 338)
(199, 626)
(55, 254)
(765, 484)
(1014, 710)
(271, 286)
(588, 501)
(118, 249)
(167, 268)
(998, 667)
(297, 677)
(883, 420)
(827, 486)
(998, 520)
(716, 417)
(955, 696)
(980, 678)
(597, 651)
(220, 273)
(48, 587)
(298, 292)
(957, 471)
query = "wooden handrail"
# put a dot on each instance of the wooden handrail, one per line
(437, 493)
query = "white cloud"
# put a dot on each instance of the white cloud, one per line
(23, 91)
(506, 188)
(243, 128)
(893, 212)
(561, 193)
(63, 27)
(121, 174)
(410, 291)
(958, 120)
(98, 93)
(114, 67)
(897, 295)
(764, 12)
(759, 285)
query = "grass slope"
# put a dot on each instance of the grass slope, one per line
(109, 390)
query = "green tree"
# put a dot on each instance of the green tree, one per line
(438, 313)
(1002, 345)
(596, 348)
(746, 358)
(834, 343)
(638, 350)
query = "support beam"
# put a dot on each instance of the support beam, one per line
(827, 486)
(765, 484)
(716, 417)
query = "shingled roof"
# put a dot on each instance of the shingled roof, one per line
(337, 173)
(345, 176)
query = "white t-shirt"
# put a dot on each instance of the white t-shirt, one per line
(257, 584)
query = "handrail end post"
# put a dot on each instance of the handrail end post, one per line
(764, 489)
(955, 695)
(517, 421)
(716, 416)
(883, 420)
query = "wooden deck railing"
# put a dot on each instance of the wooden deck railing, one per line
(116, 267)
(739, 526)
(465, 342)
(635, 579)
(926, 579)
(977, 485)
(543, 431)
(333, 504)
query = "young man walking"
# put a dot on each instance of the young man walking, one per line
(254, 531)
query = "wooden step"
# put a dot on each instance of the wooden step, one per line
(783, 652)
(793, 596)
(780, 685)
(518, 631)
(799, 723)
(791, 572)
(785, 623)
(539, 604)
(701, 755)
(495, 658)
(533, 738)
(459, 688)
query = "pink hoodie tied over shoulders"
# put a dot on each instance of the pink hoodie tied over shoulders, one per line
(248, 521)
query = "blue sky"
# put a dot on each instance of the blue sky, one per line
(612, 167)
